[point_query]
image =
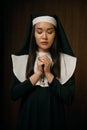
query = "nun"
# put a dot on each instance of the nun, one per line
(43, 75)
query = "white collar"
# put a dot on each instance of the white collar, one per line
(68, 65)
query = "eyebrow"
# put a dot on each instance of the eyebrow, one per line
(42, 28)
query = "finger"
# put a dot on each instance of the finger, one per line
(40, 63)
(44, 58)
(46, 61)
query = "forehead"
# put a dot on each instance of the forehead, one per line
(44, 25)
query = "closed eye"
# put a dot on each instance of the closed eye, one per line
(39, 30)
(51, 30)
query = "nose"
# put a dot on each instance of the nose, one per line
(44, 36)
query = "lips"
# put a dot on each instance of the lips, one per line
(44, 42)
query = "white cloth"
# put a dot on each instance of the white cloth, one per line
(48, 19)
(67, 65)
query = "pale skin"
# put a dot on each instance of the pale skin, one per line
(44, 36)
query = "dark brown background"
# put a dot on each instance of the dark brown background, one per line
(73, 15)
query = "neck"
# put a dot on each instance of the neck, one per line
(43, 50)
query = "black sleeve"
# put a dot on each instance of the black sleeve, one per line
(19, 89)
(65, 91)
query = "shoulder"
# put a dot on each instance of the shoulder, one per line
(67, 66)
(19, 63)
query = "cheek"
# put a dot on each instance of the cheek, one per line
(52, 38)
(36, 38)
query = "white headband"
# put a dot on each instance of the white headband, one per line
(48, 19)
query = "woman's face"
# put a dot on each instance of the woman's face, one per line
(44, 36)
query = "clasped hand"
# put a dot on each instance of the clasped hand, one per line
(44, 64)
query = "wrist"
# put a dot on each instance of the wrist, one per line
(38, 73)
(49, 77)
(35, 77)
